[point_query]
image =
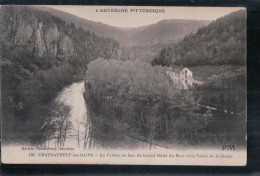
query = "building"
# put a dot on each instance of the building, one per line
(183, 77)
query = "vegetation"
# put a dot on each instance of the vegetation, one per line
(227, 94)
(208, 73)
(221, 42)
(61, 122)
(29, 102)
(31, 81)
(129, 98)
(143, 101)
(216, 54)
(164, 58)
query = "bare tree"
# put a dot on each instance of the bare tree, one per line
(61, 114)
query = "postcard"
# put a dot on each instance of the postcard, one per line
(124, 85)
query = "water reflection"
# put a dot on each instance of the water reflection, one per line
(88, 130)
(72, 96)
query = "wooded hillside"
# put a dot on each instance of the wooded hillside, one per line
(40, 54)
(221, 42)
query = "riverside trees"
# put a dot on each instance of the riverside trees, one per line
(142, 100)
(63, 125)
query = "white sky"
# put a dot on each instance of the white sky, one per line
(130, 19)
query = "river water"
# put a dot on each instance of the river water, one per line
(72, 96)
(83, 134)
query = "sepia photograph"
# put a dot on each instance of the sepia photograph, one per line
(147, 85)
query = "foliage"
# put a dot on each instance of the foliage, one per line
(30, 102)
(142, 98)
(164, 58)
(30, 82)
(226, 93)
(207, 73)
(221, 42)
(216, 55)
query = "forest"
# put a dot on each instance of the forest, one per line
(141, 99)
(222, 42)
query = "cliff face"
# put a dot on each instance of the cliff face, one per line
(40, 54)
(47, 36)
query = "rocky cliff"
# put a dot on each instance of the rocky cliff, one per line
(46, 36)
(40, 54)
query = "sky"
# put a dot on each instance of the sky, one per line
(135, 19)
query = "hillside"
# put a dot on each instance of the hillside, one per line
(144, 44)
(45, 35)
(141, 43)
(99, 28)
(34, 40)
(40, 54)
(221, 42)
(166, 31)
(216, 54)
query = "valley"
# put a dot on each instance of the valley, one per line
(69, 81)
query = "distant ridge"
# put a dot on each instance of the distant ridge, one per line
(222, 42)
(97, 27)
(165, 31)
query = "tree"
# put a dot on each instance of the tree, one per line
(60, 118)
(140, 99)
(165, 57)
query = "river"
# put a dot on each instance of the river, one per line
(82, 134)
(72, 96)
(88, 133)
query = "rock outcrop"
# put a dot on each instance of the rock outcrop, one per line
(47, 36)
